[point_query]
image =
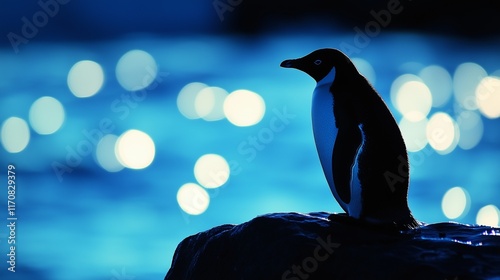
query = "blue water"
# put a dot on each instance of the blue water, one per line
(98, 225)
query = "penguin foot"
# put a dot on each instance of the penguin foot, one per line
(343, 218)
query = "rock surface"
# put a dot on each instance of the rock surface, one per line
(293, 246)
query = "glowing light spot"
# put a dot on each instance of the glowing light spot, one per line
(85, 78)
(471, 129)
(414, 100)
(136, 70)
(455, 203)
(488, 97)
(414, 134)
(15, 134)
(398, 83)
(411, 97)
(365, 68)
(465, 81)
(442, 133)
(211, 171)
(489, 215)
(193, 199)
(105, 153)
(209, 103)
(186, 99)
(46, 115)
(439, 82)
(244, 108)
(135, 149)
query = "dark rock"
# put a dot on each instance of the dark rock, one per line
(297, 246)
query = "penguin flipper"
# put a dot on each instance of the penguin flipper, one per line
(344, 156)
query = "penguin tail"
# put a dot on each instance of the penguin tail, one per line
(409, 223)
(402, 224)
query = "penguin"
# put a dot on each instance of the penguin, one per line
(360, 146)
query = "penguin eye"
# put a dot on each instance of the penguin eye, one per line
(318, 62)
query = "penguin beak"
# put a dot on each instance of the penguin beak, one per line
(289, 63)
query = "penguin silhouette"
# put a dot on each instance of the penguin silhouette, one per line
(359, 143)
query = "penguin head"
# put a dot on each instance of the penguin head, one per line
(318, 63)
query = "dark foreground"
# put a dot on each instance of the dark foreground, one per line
(297, 246)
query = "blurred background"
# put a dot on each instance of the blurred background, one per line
(134, 125)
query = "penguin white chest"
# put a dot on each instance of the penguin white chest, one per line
(325, 135)
(324, 129)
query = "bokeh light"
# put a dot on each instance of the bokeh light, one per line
(193, 199)
(471, 129)
(488, 97)
(46, 115)
(105, 154)
(244, 108)
(411, 97)
(105, 200)
(488, 215)
(365, 68)
(209, 103)
(211, 171)
(439, 82)
(136, 70)
(85, 78)
(466, 78)
(15, 134)
(186, 99)
(442, 133)
(398, 83)
(414, 134)
(455, 203)
(135, 149)
(414, 100)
